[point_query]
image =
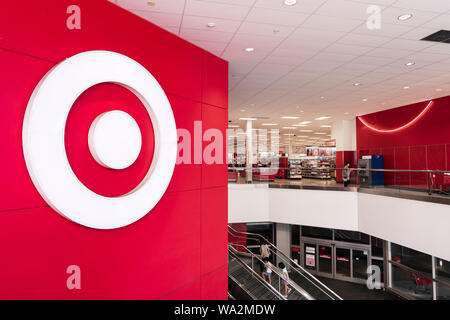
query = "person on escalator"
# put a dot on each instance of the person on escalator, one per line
(267, 272)
(285, 277)
(264, 253)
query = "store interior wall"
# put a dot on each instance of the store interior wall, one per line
(425, 145)
(179, 249)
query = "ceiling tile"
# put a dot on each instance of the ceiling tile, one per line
(172, 6)
(263, 15)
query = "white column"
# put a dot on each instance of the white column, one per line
(249, 154)
(344, 132)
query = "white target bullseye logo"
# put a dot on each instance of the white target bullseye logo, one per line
(115, 140)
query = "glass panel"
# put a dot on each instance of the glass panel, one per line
(343, 262)
(380, 264)
(411, 283)
(295, 235)
(377, 247)
(295, 254)
(442, 292)
(411, 258)
(314, 232)
(351, 236)
(325, 262)
(310, 256)
(443, 274)
(359, 264)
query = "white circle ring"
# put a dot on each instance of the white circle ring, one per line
(44, 148)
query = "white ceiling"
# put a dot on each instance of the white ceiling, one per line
(307, 57)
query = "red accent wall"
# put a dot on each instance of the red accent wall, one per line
(425, 145)
(179, 249)
(341, 158)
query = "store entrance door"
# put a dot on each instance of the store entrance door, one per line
(335, 259)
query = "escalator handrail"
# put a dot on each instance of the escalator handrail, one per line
(303, 272)
(256, 275)
(294, 285)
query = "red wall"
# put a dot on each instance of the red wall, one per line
(179, 249)
(425, 145)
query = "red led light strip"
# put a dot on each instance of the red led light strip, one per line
(402, 127)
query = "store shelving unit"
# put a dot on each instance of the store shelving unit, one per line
(318, 169)
(295, 169)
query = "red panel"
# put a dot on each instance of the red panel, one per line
(436, 157)
(402, 163)
(389, 163)
(215, 81)
(191, 291)
(186, 176)
(213, 283)
(447, 147)
(214, 228)
(91, 103)
(175, 63)
(215, 175)
(418, 162)
(141, 261)
(19, 76)
(158, 254)
(339, 165)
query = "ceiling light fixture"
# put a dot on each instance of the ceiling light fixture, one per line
(406, 87)
(326, 126)
(289, 117)
(320, 133)
(305, 122)
(356, 84)
(404, 17)
(411, 63)
(365, 100)
(233, 126)
(306, 131)
(210, 24)
(249, 49)
(299, 125)
(249, 119)
(289, 128)
(290, 2)
(323, 118)
(269, 124)
(438, 89)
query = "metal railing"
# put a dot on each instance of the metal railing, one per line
(430, 176)
(304, 275)
(233, 253)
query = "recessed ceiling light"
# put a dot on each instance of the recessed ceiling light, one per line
(269, 124)
(251, 119)
(299, 125)
(406, 87)
(306, 131)
(289, 134)
(290, 2)
(305, 122)
(322, 97)
(404, 17)
(438, 89)
(326, 126)
(320, 133)
(411, 63)
(249, 49)
(233, 126)
(364, 99)
(356, 84)
(323, 118)
(210, 24)
(289, 128)
(289, 117)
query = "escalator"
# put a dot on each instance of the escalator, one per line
(303, 285)
(246, 284)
